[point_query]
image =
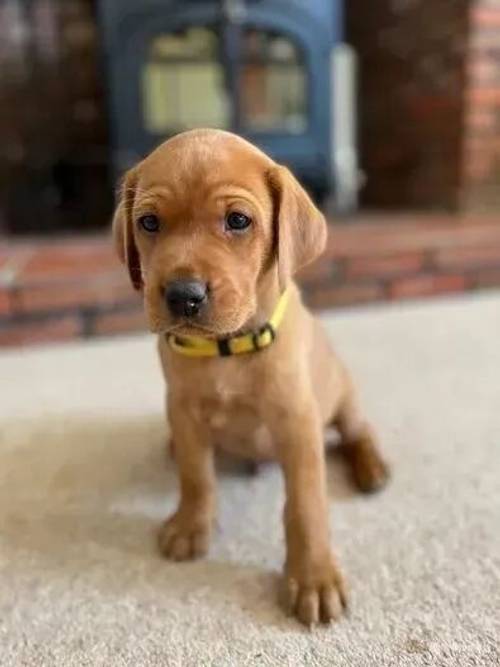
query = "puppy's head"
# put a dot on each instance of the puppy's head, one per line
(202, 222)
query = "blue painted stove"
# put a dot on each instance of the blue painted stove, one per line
(257, 67)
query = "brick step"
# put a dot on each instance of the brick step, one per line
(76, 287)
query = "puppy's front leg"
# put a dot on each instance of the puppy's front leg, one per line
(186, 533)
(314, 585)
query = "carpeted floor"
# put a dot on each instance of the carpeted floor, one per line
(84, 484)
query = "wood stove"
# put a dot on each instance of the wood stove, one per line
(257, 67)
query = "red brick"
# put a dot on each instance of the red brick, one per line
(487, 278)
(477, 143)
(427, 106)
(483, 41)
(383, 246)
(79, 257)
(426, 285)
(489, 95)
(410, 233)
(121, 322)
(482, 196)
(485, 17)
(343, 295)
(5, 301)
(4, 257)
(477, 165)
(457, 258)
(13, 257)
(363, 267)
(57, 294)
(480, 120)
(28, 333)
(9, 250)
(318, 271)
(482, 71)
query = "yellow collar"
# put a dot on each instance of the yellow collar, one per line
(196, 346)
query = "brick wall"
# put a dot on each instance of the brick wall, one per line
(481, 154)
(53, 128)
(429, 94)
(411, 69)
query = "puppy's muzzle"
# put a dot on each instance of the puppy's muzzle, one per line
(186, 298)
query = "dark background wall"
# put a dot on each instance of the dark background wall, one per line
(53, 126)
(429, 105)
(412, 57)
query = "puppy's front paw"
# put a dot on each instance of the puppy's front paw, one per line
(316, 593)
(184, 537)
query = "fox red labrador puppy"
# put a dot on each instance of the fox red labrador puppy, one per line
(212, 231)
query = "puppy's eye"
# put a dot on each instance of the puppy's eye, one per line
(237, 222)
(149, 223)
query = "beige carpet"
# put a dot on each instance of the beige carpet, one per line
(84, 485)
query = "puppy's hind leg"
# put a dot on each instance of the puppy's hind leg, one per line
(369, 470)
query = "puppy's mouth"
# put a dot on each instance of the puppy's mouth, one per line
(203, 329)
(188, 328)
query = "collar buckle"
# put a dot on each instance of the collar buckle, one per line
(257, 336)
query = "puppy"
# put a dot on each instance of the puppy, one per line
(212, 231)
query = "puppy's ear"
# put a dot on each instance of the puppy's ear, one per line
(123, 229)
(299, 227)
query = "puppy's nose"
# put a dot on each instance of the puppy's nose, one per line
(185, 298)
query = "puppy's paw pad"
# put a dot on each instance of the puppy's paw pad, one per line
(318, 599)
(183, 539)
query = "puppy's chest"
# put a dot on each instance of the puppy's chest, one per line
(225, 401)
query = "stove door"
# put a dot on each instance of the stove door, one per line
(273, 84)
(285, 88)
(183, 82)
